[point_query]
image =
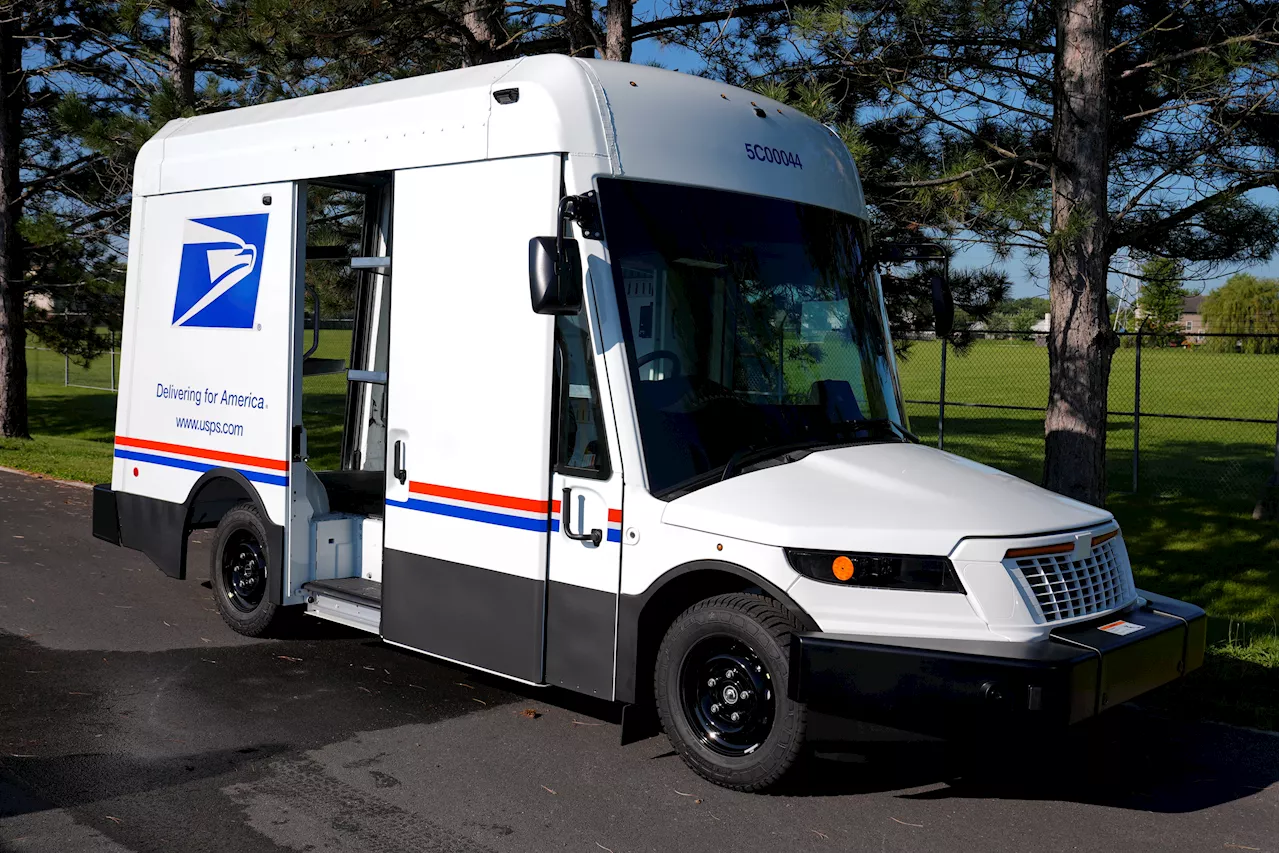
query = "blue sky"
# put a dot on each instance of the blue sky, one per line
(1029, 276)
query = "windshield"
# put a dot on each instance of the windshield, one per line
(752, 324)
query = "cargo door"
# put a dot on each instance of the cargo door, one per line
(469, 423)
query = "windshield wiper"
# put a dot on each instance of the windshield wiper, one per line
(894, 427)
(760, 453)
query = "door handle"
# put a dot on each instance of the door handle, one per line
(595, 537)
(397, 465)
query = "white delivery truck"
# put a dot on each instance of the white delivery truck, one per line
(622, 416)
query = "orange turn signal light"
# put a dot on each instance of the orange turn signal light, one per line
(1059, 548)
(1098, 540)
(842, 568)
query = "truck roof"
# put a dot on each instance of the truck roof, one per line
(641, 122)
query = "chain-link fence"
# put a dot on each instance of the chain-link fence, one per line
(47, 367)
(1194, 418)
(1197, 417)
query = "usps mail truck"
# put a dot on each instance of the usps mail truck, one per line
(621, 416)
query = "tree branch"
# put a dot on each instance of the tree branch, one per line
(657, 25)
(1146, 233)
(1174, 57)
(960, 176)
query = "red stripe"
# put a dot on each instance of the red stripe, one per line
(491, 499)
(486, 498)
(203, 453)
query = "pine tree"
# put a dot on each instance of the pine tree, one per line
(1070, 130)
(70, 110)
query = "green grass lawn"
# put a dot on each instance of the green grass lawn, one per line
(1175, 456)
(72, 430)
(324, 402)
(1188, 528)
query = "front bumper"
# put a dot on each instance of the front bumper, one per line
(950, 686)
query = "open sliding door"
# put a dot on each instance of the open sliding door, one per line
(468, 443)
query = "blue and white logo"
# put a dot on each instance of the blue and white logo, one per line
(221, 267)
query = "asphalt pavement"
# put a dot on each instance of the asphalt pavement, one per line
(132, 719)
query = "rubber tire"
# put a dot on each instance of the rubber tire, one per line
(261, 619)
(766, 627)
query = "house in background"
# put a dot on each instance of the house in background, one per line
(1191, 323)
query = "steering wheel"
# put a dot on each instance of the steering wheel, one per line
(704, 392)
(663, 354)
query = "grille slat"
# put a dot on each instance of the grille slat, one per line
(1067, 589)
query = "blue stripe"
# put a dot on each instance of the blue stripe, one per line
(539, 525)
(187, 464)
(615, 534)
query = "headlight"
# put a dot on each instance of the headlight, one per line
(884, 571)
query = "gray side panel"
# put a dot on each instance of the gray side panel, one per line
(580, 638)
(477, 616)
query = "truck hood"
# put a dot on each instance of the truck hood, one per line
(883, 498)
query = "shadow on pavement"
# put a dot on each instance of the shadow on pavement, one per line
(1128, 759)
(123, 775)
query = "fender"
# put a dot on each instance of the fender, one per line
(159, 528)
(631, 612)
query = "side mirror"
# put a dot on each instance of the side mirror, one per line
(555, 276)
(944, 308)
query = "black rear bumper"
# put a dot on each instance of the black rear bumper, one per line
(106, 516)
(950, 686)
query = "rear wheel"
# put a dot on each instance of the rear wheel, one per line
(720, 684)
(239, 574)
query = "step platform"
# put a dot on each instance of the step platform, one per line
(354, 602)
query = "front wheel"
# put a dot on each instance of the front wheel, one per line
(239, 574)
(721, 689)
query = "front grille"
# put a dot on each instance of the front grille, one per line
(1066, 588)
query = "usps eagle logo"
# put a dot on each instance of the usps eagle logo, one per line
(220, 270)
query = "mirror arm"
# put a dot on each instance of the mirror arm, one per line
(583, 210)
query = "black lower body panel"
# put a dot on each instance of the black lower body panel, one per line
(947, 687)
(156, 528)
(106, 518)
(476, 616)
(580, 626)
(159, 529)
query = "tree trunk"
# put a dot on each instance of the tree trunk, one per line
(181, 64)
(13, 334)
(480, 19)
(617, 34)
(1080, 338)
(577, 17)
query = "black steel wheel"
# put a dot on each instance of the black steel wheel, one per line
(726, 693)
(720, 685)
(244, 571)
(240, 572)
